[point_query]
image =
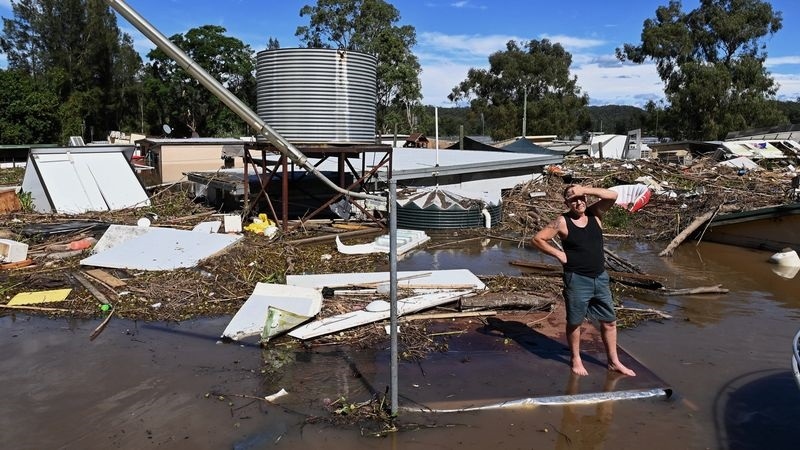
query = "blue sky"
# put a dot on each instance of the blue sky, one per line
(456, 35)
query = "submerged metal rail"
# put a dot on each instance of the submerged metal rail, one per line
(225, 96)
(560, 400)
(796, 357)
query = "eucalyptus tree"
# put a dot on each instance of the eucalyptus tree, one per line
(368, 26)
(711, 60)
(180, 100)
(528, 83)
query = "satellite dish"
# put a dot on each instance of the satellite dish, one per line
(167, 129)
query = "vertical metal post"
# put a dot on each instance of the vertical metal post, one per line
(525, 114)
(392, 210)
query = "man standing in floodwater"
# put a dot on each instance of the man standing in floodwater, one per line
(586, 283)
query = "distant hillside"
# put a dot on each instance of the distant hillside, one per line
(616, 119)
(613, 119)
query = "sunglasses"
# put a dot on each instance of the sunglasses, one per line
(581, 198)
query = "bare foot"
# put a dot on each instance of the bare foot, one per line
(578, 369)
(619, 367)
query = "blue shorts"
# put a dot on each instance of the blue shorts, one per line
(588, 297)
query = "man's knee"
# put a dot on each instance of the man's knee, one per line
(609, 326)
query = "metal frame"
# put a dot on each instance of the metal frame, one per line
(344, 155)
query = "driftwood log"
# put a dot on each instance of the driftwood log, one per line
(508, 300)
(642, 280)
(718, 289)
(648, 311)
(696, 223)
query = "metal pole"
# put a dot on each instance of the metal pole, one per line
(225, 96)
(392, 209)
(525, 113)
(436, 121)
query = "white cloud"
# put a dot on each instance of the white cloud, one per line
(438, 80)
(623, 84)
(572, 42)
(465, 46)
(446, 59)
(781, 60)
(466, 4)
(789, 85)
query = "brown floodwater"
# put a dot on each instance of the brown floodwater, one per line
(172, 385)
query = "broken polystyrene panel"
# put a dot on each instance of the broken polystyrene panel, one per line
(457, 278)
(153, 248)
(33, 298)
(77, 180)
(117, 234)
(741, 162)
(300, 303)
(345, 321)
(208, 227)
(406, 240)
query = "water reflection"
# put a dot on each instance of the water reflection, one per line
(582, 429)
(785, 272)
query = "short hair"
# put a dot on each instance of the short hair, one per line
(566, 189)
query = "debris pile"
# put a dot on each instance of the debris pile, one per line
(220, 283)
(680, 194)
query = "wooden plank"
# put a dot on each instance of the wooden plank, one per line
(91, 288)
(105, 277)
(35, 308)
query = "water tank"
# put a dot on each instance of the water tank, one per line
(318, 95)
(434, 208)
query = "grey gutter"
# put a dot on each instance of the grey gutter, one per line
(441, 171)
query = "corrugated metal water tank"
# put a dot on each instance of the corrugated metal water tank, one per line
(318, 95)
(434, 208)
(436, 218)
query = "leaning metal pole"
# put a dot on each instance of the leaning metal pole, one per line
(225, 96)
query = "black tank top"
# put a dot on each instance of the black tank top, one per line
(584, 248)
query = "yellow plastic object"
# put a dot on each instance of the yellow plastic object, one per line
(33, 298)
(260, 224)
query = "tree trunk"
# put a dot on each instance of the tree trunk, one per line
(690, 229)
(507, 300)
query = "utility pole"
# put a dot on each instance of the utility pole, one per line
(525, 112)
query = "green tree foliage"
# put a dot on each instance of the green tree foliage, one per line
(28, 111)
(368, 26)
(791, 110)
(77, 50)
(711, 61)
(273, 44)
(178, 99)
(618, 119)
(537, 71)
